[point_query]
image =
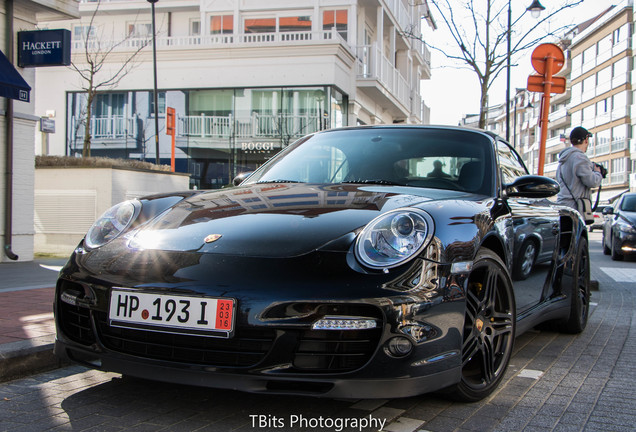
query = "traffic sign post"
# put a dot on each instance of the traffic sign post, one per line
(170, 130)
(547, 59)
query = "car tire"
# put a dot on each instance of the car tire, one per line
(525, 260)
(580, 291)
(616, 255)
(489, 328)
(606, 249)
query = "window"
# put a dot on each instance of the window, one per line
(619, 133)
(161, 100)
(260, 25)
(509, 163)
(83, 32)
(222, 24)
(110, 104)
(294, 24)
(137, 30)
(195, 27)
(619, 165)
(616, 36)
(590, 53)
(619, 100)
(337, 19)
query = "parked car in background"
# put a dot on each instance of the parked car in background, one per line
(339, 268)
(619, 229)
(599, 219)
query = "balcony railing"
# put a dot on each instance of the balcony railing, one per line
(372, 64)
(619, 144)
(212, 41)
(256, 126)
(202, 126)
(106, 128)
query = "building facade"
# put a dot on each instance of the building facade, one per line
(245, 78)
(19, 124)
(601, 81)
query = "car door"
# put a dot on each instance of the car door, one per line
(535, 230)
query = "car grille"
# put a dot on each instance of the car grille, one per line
(75, 322)
(335, 351)
(246, 348)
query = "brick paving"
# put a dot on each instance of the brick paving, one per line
(555, 382)
(26, 315)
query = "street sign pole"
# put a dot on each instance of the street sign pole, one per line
(545, 111)
(547, 59)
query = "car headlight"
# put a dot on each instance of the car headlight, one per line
(625, 227)
(112, 223)
(394, 238)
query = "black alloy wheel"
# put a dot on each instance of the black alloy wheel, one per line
(616, 255)
(489, 328)
(580, 293)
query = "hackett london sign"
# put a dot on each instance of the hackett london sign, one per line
(44, 48)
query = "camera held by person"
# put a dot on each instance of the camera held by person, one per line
(602, 169)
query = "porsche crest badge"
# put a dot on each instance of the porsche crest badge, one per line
(212, 238)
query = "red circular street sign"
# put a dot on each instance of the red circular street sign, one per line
(542, 52)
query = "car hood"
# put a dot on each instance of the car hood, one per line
(275, 220)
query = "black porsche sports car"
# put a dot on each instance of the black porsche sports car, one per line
(365, 262)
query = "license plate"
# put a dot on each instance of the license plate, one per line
(202, 316)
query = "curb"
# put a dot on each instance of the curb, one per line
(24, 358)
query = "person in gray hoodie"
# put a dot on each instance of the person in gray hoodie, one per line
(576, 174)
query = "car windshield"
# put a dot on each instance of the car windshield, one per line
(452, 159)
(629, 203)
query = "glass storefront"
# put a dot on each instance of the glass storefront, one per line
(220, 132)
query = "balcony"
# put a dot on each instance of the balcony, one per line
(282, 39)
(550, 168)
(559, 117)
(106, 128)
(615, 179)
(619, 145)
(374, 68)
(120, 128)
(256, 126)
(554, 141)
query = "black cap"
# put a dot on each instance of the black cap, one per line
(579, 134)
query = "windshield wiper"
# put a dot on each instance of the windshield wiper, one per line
(375, 181)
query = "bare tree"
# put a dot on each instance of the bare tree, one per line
(480, 43)
(97, 54)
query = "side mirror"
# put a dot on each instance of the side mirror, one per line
(532, 186)
(241, 177)
(608, 210)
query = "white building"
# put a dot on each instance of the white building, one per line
(245, 77)
(18, 126)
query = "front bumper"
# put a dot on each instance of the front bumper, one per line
(625, 242)
(333, 387)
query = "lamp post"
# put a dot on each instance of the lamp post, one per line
(535, 10)
(154, 67)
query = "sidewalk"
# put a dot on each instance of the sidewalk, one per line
(27, 329)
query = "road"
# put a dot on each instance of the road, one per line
(555, 382)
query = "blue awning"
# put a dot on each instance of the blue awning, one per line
(12, 85)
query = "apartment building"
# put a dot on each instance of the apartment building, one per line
(245, 77)
(601, 82)
(19, 123)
